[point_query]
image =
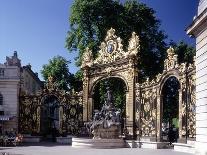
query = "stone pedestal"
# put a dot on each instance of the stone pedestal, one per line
(153, 145)
(150, 143)
(98, 143)
(32, 139)
(181, 147)
(64, 140)
(132, 144)
(107, 133)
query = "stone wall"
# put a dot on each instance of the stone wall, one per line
(202, 6)
(30, 83)
(13, 79)
(201, 85)
(199, 30)
(9, 88)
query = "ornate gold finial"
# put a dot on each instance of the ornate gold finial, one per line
(111, 49)
(87, 58)
(50, 79)
(134, 45)
(50, 85)
(110, 34)
(170, 52)
(172, 59)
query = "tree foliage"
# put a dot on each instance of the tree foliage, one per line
(118, 88)
(90, 20)
(184, 51)
(170, 100)
(58, 69)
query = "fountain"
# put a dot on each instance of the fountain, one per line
(105, 127)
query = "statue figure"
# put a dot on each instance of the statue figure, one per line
(106, 123)
(172, 59)
(133, 45)
(109, 97)
(87, 58)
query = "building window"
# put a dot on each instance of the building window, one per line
(1, 99)
(1, 112)
(1, 71)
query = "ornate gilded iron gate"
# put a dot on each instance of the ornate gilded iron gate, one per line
(149, 102)
(144, 106)
(70, 111)
(29, 115)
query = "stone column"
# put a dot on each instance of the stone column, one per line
(130, 102)
(138, 110)
(159, 117)
(180, 122)
(38, 119)
(61, 119)
(85, 95)
(130, 108)
(90, 108)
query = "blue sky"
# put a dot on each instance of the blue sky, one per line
(37, 29)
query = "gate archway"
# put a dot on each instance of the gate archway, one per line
(112, 61)
(65, 107)
(150, 100)
(49, 116)
(118, 90)
(170, 108)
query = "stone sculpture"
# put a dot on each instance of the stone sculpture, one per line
(106, 122)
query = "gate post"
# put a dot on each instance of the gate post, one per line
(180, 114)
(159, 118)
(130, 100)
(85, 95)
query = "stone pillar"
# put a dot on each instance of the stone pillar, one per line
(90, 108)
(85, 95)
(198, 29)
(138, 110)
(130, 108)
(61, 119)
(180, 113)
(38, 119)
(159, 117)
(130, 102)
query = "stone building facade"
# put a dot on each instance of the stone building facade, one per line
(14, 79)
(30, 82)
(198, 29)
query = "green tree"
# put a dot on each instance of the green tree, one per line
(90, 20)
(118, 88)
(184, 51)
(170, 95)
(58, 69)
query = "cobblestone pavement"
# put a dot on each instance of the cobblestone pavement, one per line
(52, 149)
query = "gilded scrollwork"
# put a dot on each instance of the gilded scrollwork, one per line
(85, 77)
(87, 58)
(151, 92)
(172, 60)
(148, 112)
(192, 108)
(111, 49)
(69, 106)
(134, 45)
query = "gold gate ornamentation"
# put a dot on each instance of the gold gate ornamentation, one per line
(149, 96)
(70, 110)
(112, 61)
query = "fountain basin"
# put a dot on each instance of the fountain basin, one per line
(98, 143)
